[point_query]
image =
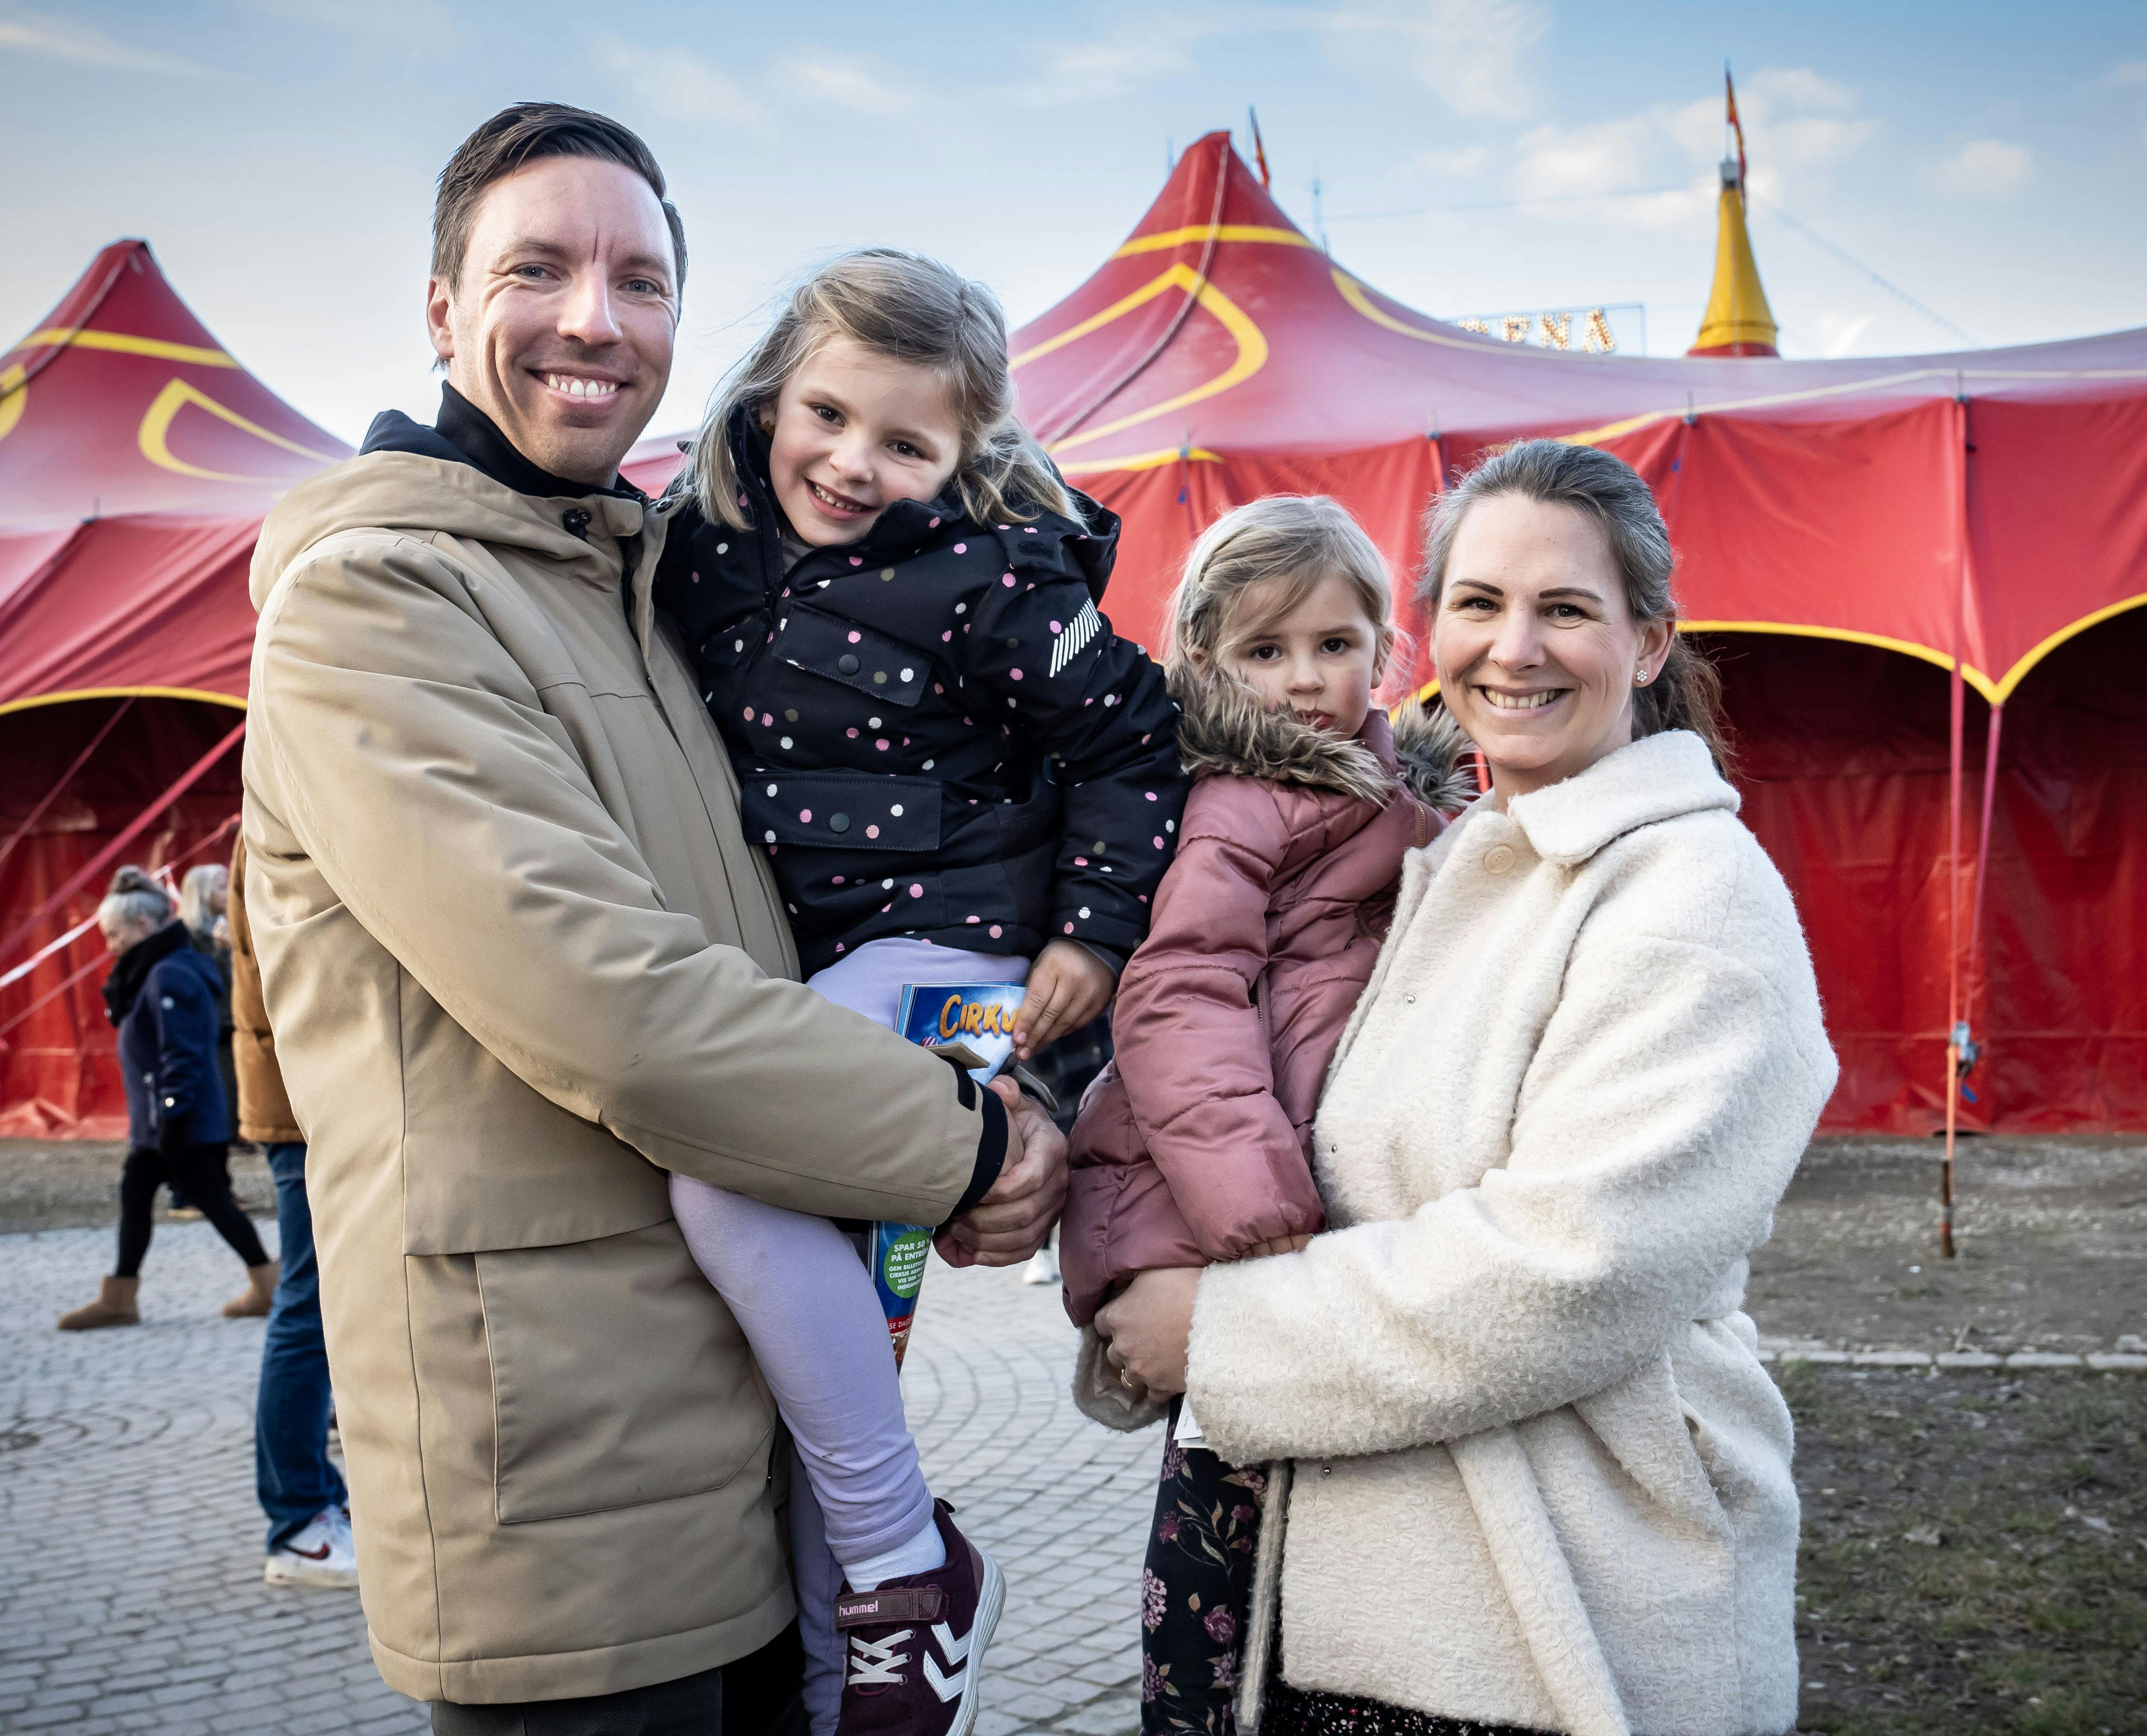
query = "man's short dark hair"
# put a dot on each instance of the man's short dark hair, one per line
(523, 134)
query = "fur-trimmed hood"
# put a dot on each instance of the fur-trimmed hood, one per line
(1226, 729)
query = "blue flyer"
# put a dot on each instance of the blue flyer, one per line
(975, 1016)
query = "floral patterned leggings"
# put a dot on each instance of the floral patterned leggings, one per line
(1196, 1592)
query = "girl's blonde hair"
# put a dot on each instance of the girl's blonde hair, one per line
(910, 309)
(197, 896)
(1283, 546)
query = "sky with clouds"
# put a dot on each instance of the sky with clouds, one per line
(1989, 161)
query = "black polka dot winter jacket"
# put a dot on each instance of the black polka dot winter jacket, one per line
(936, 733)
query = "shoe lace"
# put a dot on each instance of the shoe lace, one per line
(879, 1663)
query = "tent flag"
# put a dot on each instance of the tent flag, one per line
(1737, 321)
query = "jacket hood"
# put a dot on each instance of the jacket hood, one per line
(1225, 728)
(1658, 778)
(409, 488)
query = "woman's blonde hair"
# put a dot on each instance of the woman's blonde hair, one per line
(197, 896)
(1282, 545)
(910, 309)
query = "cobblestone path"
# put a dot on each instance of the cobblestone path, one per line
(131, 1596)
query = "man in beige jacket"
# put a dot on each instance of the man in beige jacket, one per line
(521, 963)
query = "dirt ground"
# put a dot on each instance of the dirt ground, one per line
(2052, 1236)
(1974, 1553)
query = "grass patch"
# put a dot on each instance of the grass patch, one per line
(2029, 1616)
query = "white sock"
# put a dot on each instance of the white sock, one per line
(918, 1554)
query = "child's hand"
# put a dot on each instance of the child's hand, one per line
(1278, 1244)
(1069, 985)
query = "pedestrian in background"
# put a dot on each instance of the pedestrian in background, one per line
(162, 997)
(204, 900)
(300, 1488)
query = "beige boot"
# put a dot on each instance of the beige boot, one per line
(114, 1306)
(260, 1292)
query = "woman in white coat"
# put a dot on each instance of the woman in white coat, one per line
(1535, 1479)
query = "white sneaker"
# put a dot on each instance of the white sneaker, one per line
(320, 1555)
(1043, 1267)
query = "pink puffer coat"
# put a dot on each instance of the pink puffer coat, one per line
(1194, 1144)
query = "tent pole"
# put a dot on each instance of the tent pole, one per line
(1956, 721)
(135, 828)
(1983, 846)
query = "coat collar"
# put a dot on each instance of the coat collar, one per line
(124, 986)
(1658, 778)
(1225, 728)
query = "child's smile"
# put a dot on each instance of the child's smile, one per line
(851, 432)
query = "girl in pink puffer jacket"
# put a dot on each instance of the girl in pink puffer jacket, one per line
(1195, 1144)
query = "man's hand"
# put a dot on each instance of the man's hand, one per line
(1010, 1223)
(1069, 985)
(1146, 1330)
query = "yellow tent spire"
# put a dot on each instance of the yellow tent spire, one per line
(1737, 321)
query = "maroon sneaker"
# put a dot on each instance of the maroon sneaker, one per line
(914, 1649)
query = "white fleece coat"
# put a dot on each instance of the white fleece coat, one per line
(1542, 1478)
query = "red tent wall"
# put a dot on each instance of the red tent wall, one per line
(58, 1073)
(1845, 774)
(136, 456)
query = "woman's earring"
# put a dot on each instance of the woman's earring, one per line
(1640, 680)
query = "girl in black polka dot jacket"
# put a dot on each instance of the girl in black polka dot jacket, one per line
(892, 603)
(959, 772)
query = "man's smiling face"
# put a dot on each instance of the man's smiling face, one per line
(560, 327)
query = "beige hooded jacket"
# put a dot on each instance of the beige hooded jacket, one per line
(520, 962)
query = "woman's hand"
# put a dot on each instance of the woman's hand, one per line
(1010, 1223)
(1147, 1330)
(1069, 985)
(1279, 1244)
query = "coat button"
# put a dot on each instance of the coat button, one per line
(1499, 859)
(847, 663)
(838, 822)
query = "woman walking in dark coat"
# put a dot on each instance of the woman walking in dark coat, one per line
(162, 995)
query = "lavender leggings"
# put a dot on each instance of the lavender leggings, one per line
(808, 1306)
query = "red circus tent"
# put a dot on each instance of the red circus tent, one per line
(137, 459)
(1846, 530)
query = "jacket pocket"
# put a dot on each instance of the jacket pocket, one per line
(841, 810)
(618, 1377)
(856, 657)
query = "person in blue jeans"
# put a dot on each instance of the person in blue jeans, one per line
(301, 1490)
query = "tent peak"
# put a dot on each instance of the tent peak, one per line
(1737, 321)
(121, 401)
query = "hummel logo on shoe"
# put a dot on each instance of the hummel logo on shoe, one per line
(914, 1649)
